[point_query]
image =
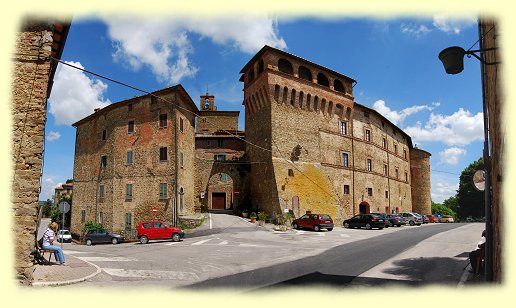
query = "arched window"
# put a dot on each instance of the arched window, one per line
(276, 92)
(285, 94)
(330, 109)
(181, 199)
(316, 103)
(250, 75)
(338, 110)
(304, 73)
(308, 102)
(323, 106)
(323, 80)
(293, 98)
(285, 66)
(338, 86)
(260, 66)
(301, 99)
(348, 113)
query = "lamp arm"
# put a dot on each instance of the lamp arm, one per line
(470, 53)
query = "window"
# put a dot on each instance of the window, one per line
(343, 127)
(130, 127)
(128, 191)
(285, 66)
(219, 157)
(369, 191)
(345, 159)
(369, 165)
(129, 157)
(101, 217)
(405, 154)
(163, 120)
(181, 124)
(386, 194)
(163, 155)
(396, 173)
(220, 143)
(128, 221)
(101, 191)
(103, 161)
(368, 135)
(384, 143)
(163, 188)
(304, 73)
(346, 189)
(406, 177)
(338, 86)
(290, 172)
(83, 216)
(130, 107)
(385, 170)
(323, 80)
(104, 135)
(181, 200)
(396, 149)
(181, 159)
(223, 178)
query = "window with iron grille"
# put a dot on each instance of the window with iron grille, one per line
(163, 188)
(128, 221)
(346, 189)
(367, 135)
(129, 157)
(345, 159)
(101, 191)
(344, 127)
(128, 191)
(369, 165)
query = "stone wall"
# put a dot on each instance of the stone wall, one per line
(31, 71)
(420, 170)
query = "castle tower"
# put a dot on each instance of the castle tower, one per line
(420, 172)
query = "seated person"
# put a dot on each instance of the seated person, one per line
(48, 240)
(479, 252)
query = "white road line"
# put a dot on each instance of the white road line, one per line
(73, 252)
(172, 275)
(247, 245)
(210, 221)
(106, 259)
(201, 242)
(223, 243)
(172, 243)
(345, 235)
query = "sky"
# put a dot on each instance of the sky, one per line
(395, 62)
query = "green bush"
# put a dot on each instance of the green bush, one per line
(284, 218)
(91, 226)
(263, 216)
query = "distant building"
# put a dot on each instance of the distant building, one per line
(63, 190)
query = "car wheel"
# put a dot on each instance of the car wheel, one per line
(398, 225)
(144, 239)
(368, 226)
(329, 229)
(346, 225)
(175, 237)
(412, 223)
(295, 226)
(114, 241)
(380, 228)
(317, 228)
(89, 242)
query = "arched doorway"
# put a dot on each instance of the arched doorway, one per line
(220, 192)
(364, 208)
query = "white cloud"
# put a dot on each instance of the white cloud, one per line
(452, 25)
(164, 46)
(442, 190)
(452, 155)
(459, 129)
(415, 30)
(48, 184)
(397, 117)
(75, 95)
(53, 136)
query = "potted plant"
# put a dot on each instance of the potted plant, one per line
(245, 213)
(262, 217)
(253, 217)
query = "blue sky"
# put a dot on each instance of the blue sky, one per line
(394, 61)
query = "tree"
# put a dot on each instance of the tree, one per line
(451, 203)
(470, 201)
(441, 209)
(47, 208)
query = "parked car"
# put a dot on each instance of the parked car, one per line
(425, 219)
(313, 221)
(99, 236)
(412, 218)
(367, 221)
(447, 218)
(396, 220)
(157, 230)
(432, 218)
(385, 217)
(64, 236)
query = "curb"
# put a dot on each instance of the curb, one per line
(67, 282)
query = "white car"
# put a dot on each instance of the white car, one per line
(64, 236)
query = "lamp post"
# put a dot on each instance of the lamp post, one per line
(453, 62)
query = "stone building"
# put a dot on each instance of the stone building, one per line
(318, 150)
(133, 156)
(221, 170)
(65, 189)
(33, 70)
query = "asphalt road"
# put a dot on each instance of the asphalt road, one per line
(229, 252)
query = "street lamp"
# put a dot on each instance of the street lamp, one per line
(453, 62)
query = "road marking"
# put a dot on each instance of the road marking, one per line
(106, 259)
(172, 275)
(172, 243)
(223, 243)
(201, 242)
(345, 235)
(210, 221)
(73, 252)
(248, 245)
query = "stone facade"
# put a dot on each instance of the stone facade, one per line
(312, 148)
(132, 156)
(63, 190)
(36, 42)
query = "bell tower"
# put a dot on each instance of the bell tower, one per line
(207, 103)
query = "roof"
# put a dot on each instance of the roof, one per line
(219, 113)
(409, 139)
(178, 88)
(269, 48)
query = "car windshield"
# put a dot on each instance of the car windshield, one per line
(325, 217)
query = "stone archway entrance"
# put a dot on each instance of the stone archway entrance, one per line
(364, 208)
(220, 192)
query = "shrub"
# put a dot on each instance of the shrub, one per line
(263, 216)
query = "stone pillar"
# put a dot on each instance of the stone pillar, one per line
(32, 68)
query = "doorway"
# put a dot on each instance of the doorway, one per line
(364, 208)
(218, 201)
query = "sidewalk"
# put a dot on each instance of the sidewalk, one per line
(75, 270)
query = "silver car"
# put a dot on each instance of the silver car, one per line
(412, 218)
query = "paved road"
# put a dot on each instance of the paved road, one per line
(235, 253)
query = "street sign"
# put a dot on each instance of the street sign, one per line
(64, 207)
(154, 210)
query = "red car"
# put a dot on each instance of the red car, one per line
(157, 230)
(432, 218)
(314, 221)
